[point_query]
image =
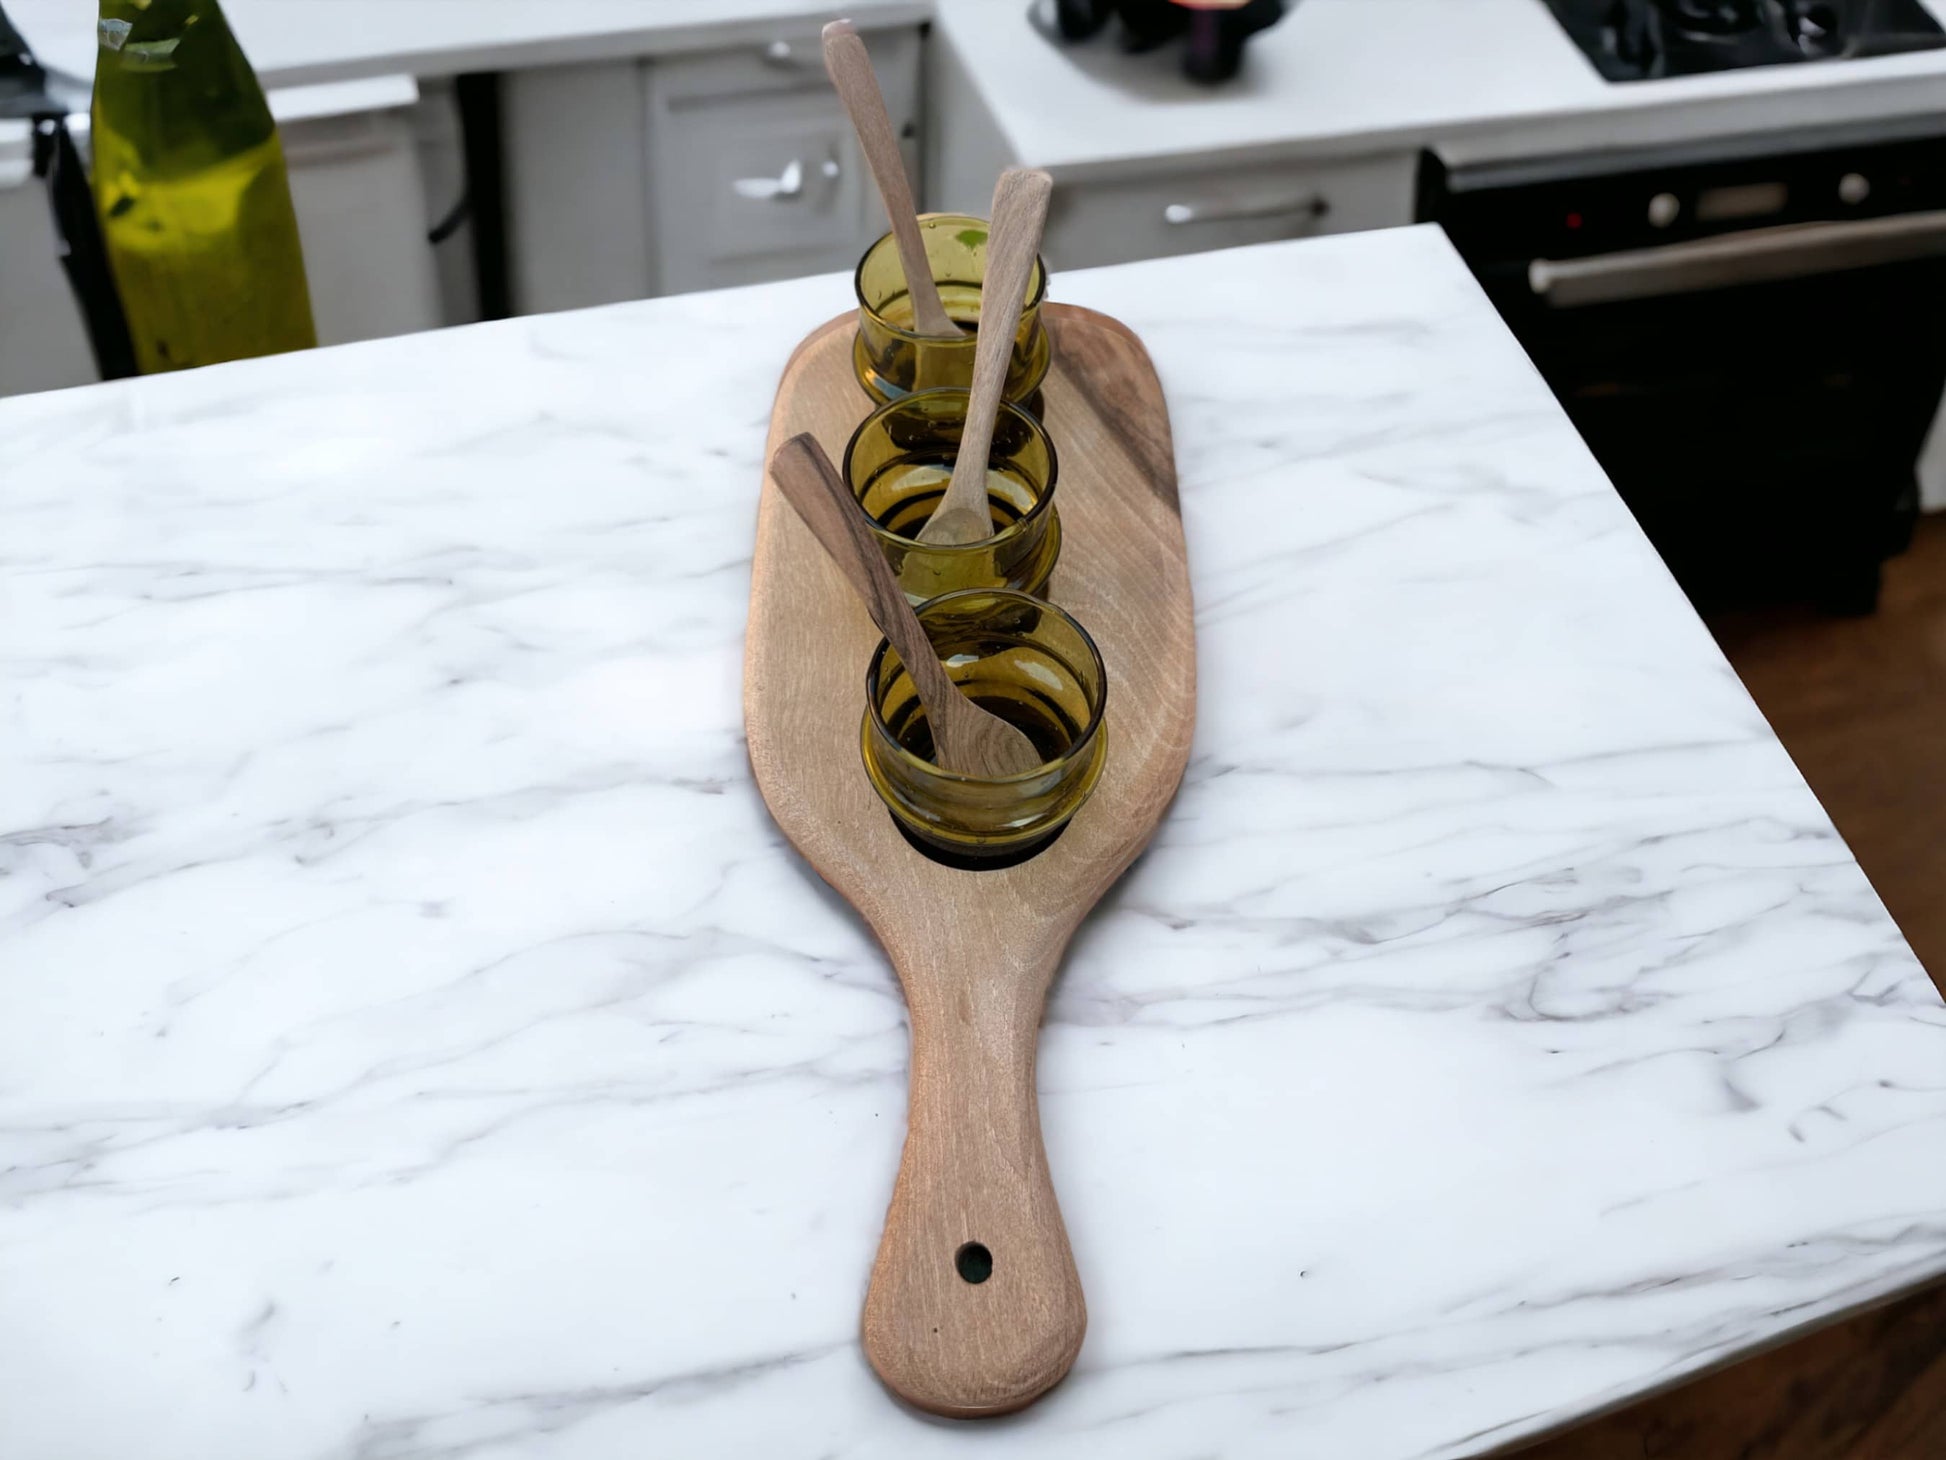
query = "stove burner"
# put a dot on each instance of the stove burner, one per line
(1635, 40)
(1817, 28)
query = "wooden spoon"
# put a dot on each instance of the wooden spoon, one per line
(1013, 239)
(851, 72)
(968, 740)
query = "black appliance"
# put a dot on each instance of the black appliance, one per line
(1750, 337)
(1635, 40)
(1213, 38)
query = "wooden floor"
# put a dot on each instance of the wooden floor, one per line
(1861, 705)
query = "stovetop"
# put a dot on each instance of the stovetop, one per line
(1635, 40)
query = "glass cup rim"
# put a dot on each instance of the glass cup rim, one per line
(858, 286)
(1072, 755)
(1043, 501)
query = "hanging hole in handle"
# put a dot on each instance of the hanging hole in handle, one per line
(974, 1263)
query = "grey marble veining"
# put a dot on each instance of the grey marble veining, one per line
(416, 1043)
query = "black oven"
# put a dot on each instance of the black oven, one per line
(1751, 337)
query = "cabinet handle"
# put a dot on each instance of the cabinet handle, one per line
(786, 187)
(1304, 205)
(784, 56)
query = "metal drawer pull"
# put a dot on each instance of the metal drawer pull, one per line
(783, 55)
(785, 188)
(1789, 251)
(1305, 205)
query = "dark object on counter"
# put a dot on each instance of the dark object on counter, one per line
(1076, 20)
(1750, 335)
(1148, 25)
(1636, 40)
(77, 232)
(1215, 37)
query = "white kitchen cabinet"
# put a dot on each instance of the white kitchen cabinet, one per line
(577, 185)
(361, 204)
(693, 171)
(360, 197)
(1114, 221)
(42, 343)
(753, 169)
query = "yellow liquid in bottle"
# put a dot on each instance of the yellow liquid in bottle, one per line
(192, 190)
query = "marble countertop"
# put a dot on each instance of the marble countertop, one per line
(1480, 78)
(416, 1041)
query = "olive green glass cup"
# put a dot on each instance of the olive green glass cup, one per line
(1027, 662)
(899, 463)
(892, 358)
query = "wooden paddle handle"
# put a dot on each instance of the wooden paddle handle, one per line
(975, 1307)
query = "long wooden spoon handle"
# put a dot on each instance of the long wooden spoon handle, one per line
(1013, 241)
(812, 486)
(851, 72)
(975, 1307)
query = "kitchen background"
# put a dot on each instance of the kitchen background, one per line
(1717, 226)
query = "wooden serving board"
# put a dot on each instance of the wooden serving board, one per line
(975, 951)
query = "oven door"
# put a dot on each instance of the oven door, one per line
(1758, 395)
(1764, 432)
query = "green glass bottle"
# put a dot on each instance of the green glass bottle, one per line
(190, 183)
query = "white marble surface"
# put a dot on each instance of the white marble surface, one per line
(416, 1042)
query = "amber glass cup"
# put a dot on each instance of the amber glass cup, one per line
(898, 465)
(1027, 662)
(893, 359)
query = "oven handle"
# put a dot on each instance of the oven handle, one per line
(1791, 251)
(1303, 205)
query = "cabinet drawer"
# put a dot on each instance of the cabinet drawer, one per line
(753, 170)
(1187, 212)
(789, 59)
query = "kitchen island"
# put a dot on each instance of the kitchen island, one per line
(416, 1040)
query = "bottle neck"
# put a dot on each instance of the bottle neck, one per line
(171, 79)
(143, 36)
(165, 14)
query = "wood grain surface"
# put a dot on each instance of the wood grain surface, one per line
(966, 738)
(1871, 1388)
(976, 951)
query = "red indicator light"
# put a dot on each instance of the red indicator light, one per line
(1574, 220)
